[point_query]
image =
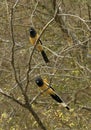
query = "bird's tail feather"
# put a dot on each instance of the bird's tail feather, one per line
(44, 56)
(58, 99)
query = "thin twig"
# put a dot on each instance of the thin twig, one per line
(71, 15)
(11, 97)
(14, 6)
(34, 12)
(39, 95)
(13, 53)
(86, 108)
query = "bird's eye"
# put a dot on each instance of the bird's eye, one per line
(37, 81)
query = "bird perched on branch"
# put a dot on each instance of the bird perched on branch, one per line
(33, 38)
(43, 85)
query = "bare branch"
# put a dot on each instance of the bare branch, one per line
(62, 24)
(14, 6)
(34, 12)
(11, 97)
(86, 108)
(13, 54)
(38, 95)
(71, 15)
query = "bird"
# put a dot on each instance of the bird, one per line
(44, 86)
(33, 38)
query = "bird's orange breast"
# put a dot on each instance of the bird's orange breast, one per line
(33, 41)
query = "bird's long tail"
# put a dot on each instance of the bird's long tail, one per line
(58, 99)
(44, 56)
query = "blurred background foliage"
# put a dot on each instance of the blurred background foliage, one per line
(69, 69)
